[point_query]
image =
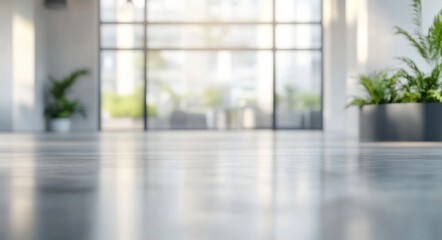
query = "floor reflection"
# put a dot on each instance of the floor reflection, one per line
(216, 185)
(66, 178)
(17, 197)
(120, 199)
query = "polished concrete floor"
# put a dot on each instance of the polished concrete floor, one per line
(217, 185)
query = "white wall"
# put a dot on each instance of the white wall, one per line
(26, 112)
(335, 73)
(5, 65)
(72, 43)
(342, 23)
(40, 64)
(20, 98)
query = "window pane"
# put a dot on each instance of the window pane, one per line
(299, 36)
(298, 89)
(204, 36)
(122, 36)
(122, 89)
(121, 11)
(298, 10)
(210, 90)
(209, 10)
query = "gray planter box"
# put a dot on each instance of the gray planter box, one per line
(401, 122)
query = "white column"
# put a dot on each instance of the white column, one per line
(357, 57)
(5, 65)
(335, 69)
(346, 55)
(24, 88)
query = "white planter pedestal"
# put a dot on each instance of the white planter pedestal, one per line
(60, 125)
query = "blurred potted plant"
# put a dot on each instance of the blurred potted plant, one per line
(405, 105)
(60, 108)
(299, 109)
(127, 106)
(213, 98)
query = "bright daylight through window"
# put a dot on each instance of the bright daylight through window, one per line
(211, 64)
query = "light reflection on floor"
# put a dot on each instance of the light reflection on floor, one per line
(217, 185)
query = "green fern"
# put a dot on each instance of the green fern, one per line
(436, 95)
(380, 88)
(410, 84)
(417, 85)
(59, 106)
(428, 46)
(416, 43)
(434, 39)
(420, 87)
